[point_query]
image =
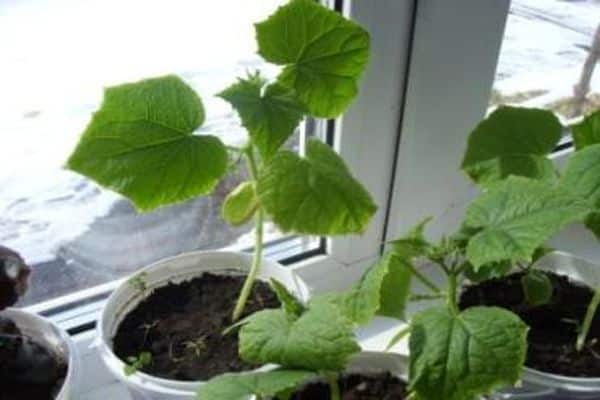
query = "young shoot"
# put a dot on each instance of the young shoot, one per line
(136, 363)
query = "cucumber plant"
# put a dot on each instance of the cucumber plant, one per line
(460, 355)
(305, 341)
(526, 199)
(147, 143)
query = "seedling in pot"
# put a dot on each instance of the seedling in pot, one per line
(134, 364)
(147, 140)
(307, 342)
(454, 355)
(526, 199)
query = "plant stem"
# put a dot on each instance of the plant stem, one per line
(452, 284)
(587, 322)
(334, 386)
(426, 281)
(258, 246)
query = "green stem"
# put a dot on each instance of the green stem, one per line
(258, 247)
(587, 322)
(335, 387)
(426, 281)
(452, 285)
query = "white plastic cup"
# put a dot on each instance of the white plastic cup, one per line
(175, 270)
(542, 385)
(57, 341)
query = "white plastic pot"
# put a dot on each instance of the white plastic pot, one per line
(48, 335)
(176, 269)
(542, 385)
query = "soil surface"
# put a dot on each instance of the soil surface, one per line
(181, 325)
(553, 326)
(27, 370)
(357, 387)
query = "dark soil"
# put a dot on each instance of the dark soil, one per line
(357, 387)
(181, 325)
(27, 370)
(553, 326)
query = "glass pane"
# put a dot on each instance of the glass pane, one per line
(545, 49)
(56, 57)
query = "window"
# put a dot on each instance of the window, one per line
(77, 236)
(457, 67)
(550, 48)
(56, 58)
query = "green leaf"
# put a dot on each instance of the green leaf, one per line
(324, 54)
(458, 357)
(290, 304)
(242, 386)
(382, 290)
(239, 206)
(414, 243)
(537, 288)
(141, 144)
(582, 179)
(314, 195)
(587, 132)
(270, 117)
(512, 141)
(515, 217)
(320, 339)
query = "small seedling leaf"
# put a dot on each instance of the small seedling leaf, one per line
(458, 357)
(290, 304)
(141, 144)
(587, 132)
(512, 141)
(516, 216)
(537, 288)
(322, 52)
(270, 115)
(239, 206)
(314, 195)
(243, 385)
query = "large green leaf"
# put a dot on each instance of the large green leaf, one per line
(314, 195)
(582, 179)
(141, 144)
(512, 141)
(242, 386)
(321, 339)
(324, 54)
(516, 216)
(271, 116)
(458, 357)
(587, 132)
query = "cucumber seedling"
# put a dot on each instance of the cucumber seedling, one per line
(306, 342)
(147, 143)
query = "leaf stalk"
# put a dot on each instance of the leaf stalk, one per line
(258, 245)
(587, 322)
